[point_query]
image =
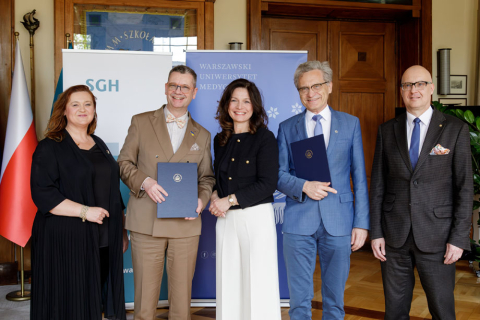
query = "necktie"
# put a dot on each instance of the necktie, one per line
(318, 127)
(415, 143)
(180, 122)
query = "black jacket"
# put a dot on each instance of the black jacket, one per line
(252, 168)
(434, 201)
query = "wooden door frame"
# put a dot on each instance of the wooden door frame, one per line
(63, 20)
(415, 33)
(7, 56)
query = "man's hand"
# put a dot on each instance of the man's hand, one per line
(358, 238)
(378, 247)
(154, 190)
(453, 254)
(198, 210)
(317, 190)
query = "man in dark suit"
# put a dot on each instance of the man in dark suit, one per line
(420, 200)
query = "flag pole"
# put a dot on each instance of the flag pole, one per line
(21, 295)
(31, 24)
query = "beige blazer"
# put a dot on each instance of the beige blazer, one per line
(147, 143)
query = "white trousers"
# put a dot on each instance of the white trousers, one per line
(247, 265)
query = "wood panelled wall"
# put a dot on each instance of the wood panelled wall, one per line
(7, 49)
(413, 24)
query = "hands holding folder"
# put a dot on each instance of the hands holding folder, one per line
(311, 163)
(158, 194)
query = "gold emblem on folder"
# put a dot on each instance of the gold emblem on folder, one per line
(309, 154)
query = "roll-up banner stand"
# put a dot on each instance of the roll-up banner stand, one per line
(125, 83)
(272, 72)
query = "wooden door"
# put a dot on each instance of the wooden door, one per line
(362, 56)
(295, 34)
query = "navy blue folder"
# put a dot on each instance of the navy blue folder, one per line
(181, 183)
(310, 159)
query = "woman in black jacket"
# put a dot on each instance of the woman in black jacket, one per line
(78, 239)
(246, 170)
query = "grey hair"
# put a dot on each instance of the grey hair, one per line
(184, 70)
(313, 65)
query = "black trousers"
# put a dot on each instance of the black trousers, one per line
(437, 278)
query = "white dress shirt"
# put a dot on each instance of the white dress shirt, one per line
(176, 134)
(424, 123)
(326, 122)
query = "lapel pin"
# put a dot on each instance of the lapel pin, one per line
(336, 131)
(440, 126)
(193, 134)
(108, 151)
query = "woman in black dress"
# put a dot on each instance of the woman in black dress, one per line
(78, 239)
(246, 170)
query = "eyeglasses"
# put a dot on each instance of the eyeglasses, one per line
(315, 88)
(174, 86)
(420, 85)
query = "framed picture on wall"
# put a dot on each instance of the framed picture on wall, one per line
(453, 101)
(458, 84)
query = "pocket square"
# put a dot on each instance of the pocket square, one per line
(439, 150)
(195, 147)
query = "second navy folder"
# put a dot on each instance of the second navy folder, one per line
(310, 159)
(180, 182)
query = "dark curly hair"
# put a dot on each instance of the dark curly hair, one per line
(259, 117)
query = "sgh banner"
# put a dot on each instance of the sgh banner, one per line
(125, 83)
(272, 72)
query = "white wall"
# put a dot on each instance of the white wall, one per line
(43, 41)
(230, 23)
(454, 26)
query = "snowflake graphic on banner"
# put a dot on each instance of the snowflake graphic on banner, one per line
(296, 108)
(273, 113)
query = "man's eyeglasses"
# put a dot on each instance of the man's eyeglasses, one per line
(315, 88)
(420, 85)
(174, 86)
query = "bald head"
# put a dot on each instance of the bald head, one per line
(417, 96)
(417, 71)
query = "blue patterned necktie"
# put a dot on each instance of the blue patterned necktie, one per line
(415, 142)
(318, 127)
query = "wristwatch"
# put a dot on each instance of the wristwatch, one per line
(230, 200)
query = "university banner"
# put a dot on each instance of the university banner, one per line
(272, 72)
(125, 83)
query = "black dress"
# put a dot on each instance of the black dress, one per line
(65, 250)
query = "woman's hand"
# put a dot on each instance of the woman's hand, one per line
(97, 214)
(125, 240)
(214, 196)
(219, 207)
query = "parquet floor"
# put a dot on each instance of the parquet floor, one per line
(364, 294)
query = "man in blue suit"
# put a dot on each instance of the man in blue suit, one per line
(320, 216)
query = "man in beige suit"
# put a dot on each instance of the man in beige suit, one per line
(168, 134)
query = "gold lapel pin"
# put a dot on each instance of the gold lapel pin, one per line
(336, 131)
(108, 151)
(440, 126)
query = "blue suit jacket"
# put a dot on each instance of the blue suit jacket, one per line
(345, 159)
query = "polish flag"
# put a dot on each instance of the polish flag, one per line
(17, 209)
